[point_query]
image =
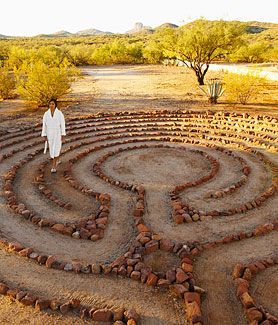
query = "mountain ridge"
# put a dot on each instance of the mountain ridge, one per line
(253, 27)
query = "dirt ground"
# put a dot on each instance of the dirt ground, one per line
(136, 88)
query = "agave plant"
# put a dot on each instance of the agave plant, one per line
(214, 90)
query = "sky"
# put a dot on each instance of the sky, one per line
(32, 17)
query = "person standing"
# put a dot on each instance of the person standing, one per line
(53, 131)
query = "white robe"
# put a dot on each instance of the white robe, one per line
(53, 128)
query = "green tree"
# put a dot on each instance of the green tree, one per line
(7, 83)
(251, 53)
(199, 44)
(39, 82)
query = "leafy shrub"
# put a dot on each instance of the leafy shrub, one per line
(7, 84)
(242, 87)
(39, 82)
(117, 52)
(251, 53)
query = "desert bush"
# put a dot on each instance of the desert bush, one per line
(39, 82)
(242, 87)
(80, 54)
(153, 53)
(117, 52)
(7, 84)
(251, 53)
(18, 58)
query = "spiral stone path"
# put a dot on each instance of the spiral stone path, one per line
(153, 217)
(144, 221)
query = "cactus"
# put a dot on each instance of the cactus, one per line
(214, 90)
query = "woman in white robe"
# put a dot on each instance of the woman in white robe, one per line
(53, 130)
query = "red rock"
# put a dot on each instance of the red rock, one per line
(42, 304)
(132, 261)
(3, 288)
(253, 314)
(84, 233)
(193, 312)
(12, 292)
(122, 270)
(103, 315)
(42, 259)
(144, 275)
(151, 246)
(260, 266)
(131, 314)
(142, 228)
(135, 275)
(181, 276)
(187, 260)
(129, 269)
(64, 308)
(178, 290)
(15, 246)
(54, 305)
(238, 271)
(247, 275)
(242, 286)
(74, 303)
(25, 252)
(76, 267)
(28, 300)
(20, 295)
(171, 275)
(166, 245)
(50, 260)
(102, 221)
(252, 268)
(187, 267)
(247, 300)
(84, 312)
(156, 237)
(58, 227)
(152, 279)
(139, 266)
(143, 240)
(192, 296)
(118, 261)
(178, 218)
(163, 283)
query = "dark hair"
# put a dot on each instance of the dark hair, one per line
(54, 100)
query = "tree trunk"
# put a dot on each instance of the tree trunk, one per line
(201, 80)
(199, 73)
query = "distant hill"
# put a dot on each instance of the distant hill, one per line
(140, 28)
(253, 27)
(62, 33)
(92, 31)
(167, 25)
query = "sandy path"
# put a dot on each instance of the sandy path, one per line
(213, 269)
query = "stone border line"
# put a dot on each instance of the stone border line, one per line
(70, 307)
(180, 280)
(242, 275)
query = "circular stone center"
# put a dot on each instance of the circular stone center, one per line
(156, 166)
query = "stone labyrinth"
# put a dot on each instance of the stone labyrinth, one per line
(163, 217)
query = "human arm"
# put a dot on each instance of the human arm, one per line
(44, 128)
(62, 125)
